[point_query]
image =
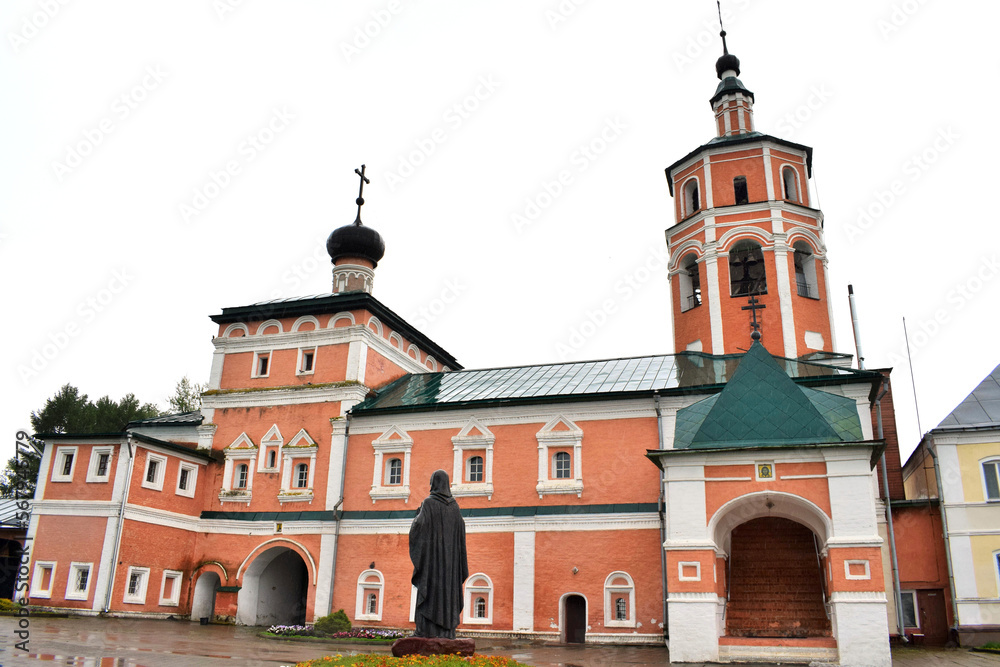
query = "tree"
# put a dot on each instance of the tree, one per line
(187, 396)
(69, 411)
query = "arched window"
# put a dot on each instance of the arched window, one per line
(690, 283)
(474, 469)
(394, 471)
(369, 596)
(790, 184)
(561, 466)
(805, 270)
(746, 269)
(242, 475)
(619, 601)
(478, 600)
(691, 197)
(740, 190)
(302, 475)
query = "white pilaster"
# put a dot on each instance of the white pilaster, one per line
(338, 450)
(714, 297)
(861, 627)
(324, 575)
(524, 581)
(105, 565)
(768, 175)
(357, 361)
(692, 625)
(784, 296)
(215, 377)
(708, 182)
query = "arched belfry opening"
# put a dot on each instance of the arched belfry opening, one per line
(274, 589)
(775, 581)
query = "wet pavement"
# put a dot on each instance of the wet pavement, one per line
(116, 642)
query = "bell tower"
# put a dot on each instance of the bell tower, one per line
(744, 227)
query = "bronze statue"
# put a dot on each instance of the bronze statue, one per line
(440, 564)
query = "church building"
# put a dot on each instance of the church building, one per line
(724, 497)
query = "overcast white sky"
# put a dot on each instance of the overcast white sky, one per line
(120, 232)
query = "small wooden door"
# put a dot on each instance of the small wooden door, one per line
(575, 619)
(933, 618)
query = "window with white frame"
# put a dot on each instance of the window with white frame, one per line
(78, 582)
(99, 469)
(187, 477)
(369, 596)
(270, 450)
(394, 444)
(261, 364)
(136, 581)
(690, 282)
(560, 451)
(911, 619)
(156, 467)
(170, 588)
(42, 578)
(299, 468)
(991, 480)
(242, 452)
(478, 609)
(619, 601)
(472, 472)
(242, 478)
(789, 183)
(691, 198)
(63, 464)
(307, 361)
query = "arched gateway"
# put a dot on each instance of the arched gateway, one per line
(274, 589)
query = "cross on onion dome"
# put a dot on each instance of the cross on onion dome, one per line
(360, 201)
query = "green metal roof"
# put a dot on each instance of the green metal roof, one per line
(679, 373)
(761, 405)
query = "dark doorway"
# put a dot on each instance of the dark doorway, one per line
(10, 561)
(933, 619)
(574, 619)
(775, 581)
(274, 590)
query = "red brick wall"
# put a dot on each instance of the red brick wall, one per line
(892, 460)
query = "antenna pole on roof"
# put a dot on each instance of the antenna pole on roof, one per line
(913, 380)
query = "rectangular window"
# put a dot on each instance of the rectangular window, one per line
(909, 600)
(991, 477)
(102, 464)
(187, 477)
(740, 189)
(78, 584)
(170, 588)
(261, 364)
(307, 361)
(302, 476)
(41, 579)
(99, 469)
(156, 467)
(135, 585)
(182, 483)
(394, 471)
(63, 464)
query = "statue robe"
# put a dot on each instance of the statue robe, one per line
(440, 564)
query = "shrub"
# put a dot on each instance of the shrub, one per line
(336, 622)
(9, 605)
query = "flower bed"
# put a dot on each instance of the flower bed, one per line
(411, 661)
(361, 635)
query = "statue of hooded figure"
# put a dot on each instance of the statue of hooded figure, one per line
(440, 564)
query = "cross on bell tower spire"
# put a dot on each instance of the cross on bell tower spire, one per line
(754, 306)
(360, 201)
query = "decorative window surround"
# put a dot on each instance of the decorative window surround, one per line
(478, 586)
(618, 584)
(191, 479)
(393, 441)
(569, 438)
(272, 440)
(135, 593)
(369, 582)
(63, 456)
(170, 588)
(300, 447)
(306, 364)
(78, 571)
(93, 470)
(156, 467)
(473, 437)
(42, 578)
(263, 357)
(688, 565)
(242, 449)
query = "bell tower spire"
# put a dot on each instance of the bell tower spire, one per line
(355, 250)
(732, 102)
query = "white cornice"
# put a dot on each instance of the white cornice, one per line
(282, 396)
(509, 524)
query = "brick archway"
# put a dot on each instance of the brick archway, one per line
(775, 581)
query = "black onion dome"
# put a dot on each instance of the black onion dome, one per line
(727, 62)
(356, 240)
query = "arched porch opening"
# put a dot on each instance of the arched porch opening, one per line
(203, 601)
(274, 589)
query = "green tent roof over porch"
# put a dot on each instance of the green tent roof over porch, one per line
(761, 405)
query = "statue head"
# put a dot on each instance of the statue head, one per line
(440, 484)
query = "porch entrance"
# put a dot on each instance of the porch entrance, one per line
(274, 589)
(574, 619)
